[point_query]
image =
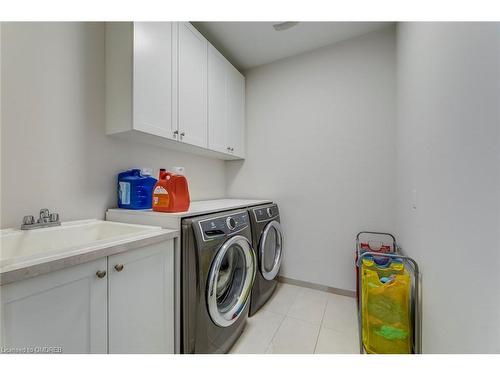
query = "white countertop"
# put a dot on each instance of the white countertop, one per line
(68, 245)
(199, 207)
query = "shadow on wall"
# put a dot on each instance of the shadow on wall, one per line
(321, 143)
(233, 170)
(56, 132)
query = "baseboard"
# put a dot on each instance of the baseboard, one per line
(324, 288)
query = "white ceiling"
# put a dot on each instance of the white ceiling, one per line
(249, 44)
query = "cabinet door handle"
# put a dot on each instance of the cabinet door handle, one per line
(100, 274)
(119, 267)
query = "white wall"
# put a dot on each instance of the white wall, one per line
(448, 150)
(321, 143)
(55, 153)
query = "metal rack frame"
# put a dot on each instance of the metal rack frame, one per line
(394, 243)
(415, 299)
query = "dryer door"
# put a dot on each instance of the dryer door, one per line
(271, 250)
(230, 280)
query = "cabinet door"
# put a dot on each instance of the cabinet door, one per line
(141, 300)
(192, 81)
(64, 309)
(236, 119)
(154, 79)
(218, 69)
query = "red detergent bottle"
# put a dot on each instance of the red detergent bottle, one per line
(171, 192)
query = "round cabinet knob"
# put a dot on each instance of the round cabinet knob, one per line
(100, 274)
(183, 134)
(119, 267)
(231, 223)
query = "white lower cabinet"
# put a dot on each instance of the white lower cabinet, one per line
(64, 310)
(141, 301)
(95, 307)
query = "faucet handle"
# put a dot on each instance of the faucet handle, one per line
(54, 217)
(28, 220)
(44, 215)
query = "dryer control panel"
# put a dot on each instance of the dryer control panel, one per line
(223, 225)
(266, 213)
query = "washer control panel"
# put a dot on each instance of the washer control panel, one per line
(266, 213)
(231, 223)
(223, 225)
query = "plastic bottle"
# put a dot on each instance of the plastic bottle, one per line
(135, 189)
(171, 193)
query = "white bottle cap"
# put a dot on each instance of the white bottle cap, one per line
(146, 171)
(178, 170)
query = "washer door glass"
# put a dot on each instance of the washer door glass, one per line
(230, 280)
(270, 250)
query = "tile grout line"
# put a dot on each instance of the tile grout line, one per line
(274, 334)
(320, 327)
(284, 317)
(308, 322)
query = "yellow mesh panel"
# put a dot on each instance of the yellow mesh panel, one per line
(386, 310)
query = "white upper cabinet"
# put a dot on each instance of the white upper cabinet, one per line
(226, 106)
(192, 73)
(236, 117)
(166, 85)
(154, 78)
(218, 82)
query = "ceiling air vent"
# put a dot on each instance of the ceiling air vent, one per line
(284, 25)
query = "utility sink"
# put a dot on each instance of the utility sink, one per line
(22, 248)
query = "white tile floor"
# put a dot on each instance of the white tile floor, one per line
(301, 320)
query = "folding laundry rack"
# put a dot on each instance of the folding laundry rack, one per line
(409, 270)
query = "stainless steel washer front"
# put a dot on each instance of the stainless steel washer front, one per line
(270, 249)
(230, 280)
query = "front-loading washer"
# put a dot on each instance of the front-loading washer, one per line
(218, 271)
(267, 240)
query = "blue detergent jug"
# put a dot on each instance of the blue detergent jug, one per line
(135, 189)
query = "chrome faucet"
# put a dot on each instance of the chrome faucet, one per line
(45, 220)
